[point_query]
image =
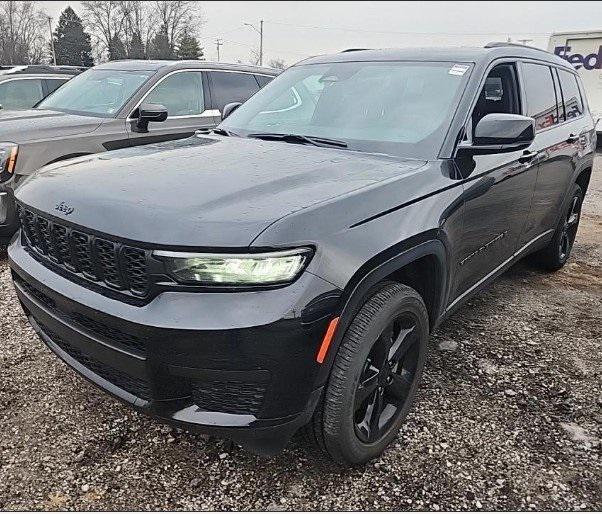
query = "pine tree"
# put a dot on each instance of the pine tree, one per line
(136, 47)
(116, 49)
(160, 47)
(188, 48)
(71, 43)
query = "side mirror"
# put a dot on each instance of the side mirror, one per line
(501, 133)
(148, 113)
(229, 109)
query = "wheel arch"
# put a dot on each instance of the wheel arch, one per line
(422, 267)
(68, 156)
(583, 179)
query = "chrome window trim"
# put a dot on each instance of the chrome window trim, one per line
(34, 77)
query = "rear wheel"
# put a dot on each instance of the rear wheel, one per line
(555, 255)
(374, 377)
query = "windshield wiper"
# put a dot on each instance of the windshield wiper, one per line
(298, 138)
(223, 132)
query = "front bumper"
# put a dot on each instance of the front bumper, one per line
(8, 216)
(239, 365)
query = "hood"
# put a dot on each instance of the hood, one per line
(201, 191)
(34, 124)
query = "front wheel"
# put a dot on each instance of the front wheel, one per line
(374, 377)
(555, 255)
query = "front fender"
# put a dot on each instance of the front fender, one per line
(363, 283)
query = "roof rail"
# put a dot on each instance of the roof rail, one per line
(354, 50)
(501, 44)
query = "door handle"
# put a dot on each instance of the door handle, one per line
(527, 156)
(572, 138)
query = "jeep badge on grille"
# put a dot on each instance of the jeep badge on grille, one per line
(64, 208)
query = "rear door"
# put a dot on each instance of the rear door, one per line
(554, 100)
(231, 86)
(186, 96)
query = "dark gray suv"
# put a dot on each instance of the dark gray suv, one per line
(110, 107)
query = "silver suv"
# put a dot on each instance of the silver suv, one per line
(22, 87)
(116, 105)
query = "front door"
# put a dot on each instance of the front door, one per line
(184, 94)
(497, 190)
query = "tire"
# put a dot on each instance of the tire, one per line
(557, 252)
(389, 335)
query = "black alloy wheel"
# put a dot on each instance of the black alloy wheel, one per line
(569, 229)
(374, 377)
(386, 379)
(555, 255)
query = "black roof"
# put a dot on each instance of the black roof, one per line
(445, 54)
(40, 69)
(140, 65)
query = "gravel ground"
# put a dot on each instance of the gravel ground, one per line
(509, 417)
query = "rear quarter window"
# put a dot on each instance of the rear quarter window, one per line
(573, 103)
(263, 79)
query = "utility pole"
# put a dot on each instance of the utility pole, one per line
(260, 42)
(51, 40)
(218, 43)
(260, 32)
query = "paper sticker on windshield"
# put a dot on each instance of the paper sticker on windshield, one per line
(458, 69)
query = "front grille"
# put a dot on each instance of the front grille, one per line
(78, 253)
(229, 396)
(98, 329)
(135, 386)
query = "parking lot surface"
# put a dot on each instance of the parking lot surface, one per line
(509, 416)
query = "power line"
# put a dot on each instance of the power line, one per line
(403, 33)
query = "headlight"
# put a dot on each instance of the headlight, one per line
(8, 159)
(236, 269)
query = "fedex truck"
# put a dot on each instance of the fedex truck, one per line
(584, 51)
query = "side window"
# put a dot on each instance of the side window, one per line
(231, 87)
(181, 93)
(263, 79)
(53, 84)
(541, 97)
(573, 104)
(20, 94)
(499, 93)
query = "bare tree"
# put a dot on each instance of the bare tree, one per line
(279, 64)
(105, 20)
(139, 24)
(22, 32)
(178, 17)
(254, 57)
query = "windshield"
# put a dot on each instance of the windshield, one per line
(399, 108)
(96, 92)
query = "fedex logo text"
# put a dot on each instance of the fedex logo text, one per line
(591, 61)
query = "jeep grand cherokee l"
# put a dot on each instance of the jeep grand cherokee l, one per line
(286, 271)
(116, 105)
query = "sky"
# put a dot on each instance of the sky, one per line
(296, 30)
